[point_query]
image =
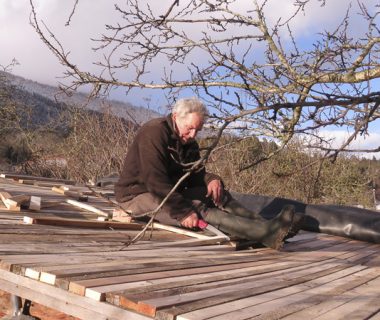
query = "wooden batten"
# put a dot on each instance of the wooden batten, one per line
(88, 208)
(10, 204)
(35, 203)
(72, 194)
(182, 231)
(39, 183)
(27, 177)
(15, 202)
(80, 223)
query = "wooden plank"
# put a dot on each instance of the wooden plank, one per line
(132, 298)
(38, 183)
(27, 177)
(122, 270)
(184, 283)
(9, 204)
(15, 202)
(99, 264)
(116, 268)
(234, 292)
(88, 208)
(55, 262)
(72, 194)
(150, 265)
(287, 306)
(50, 203)
(189, 233)
(46, 262)
(275, 268)
(160, 284)
(375, 316)
(192, 242)
(358, 303)
(80, 223)
(35, 203)
(66, 302)
(19, 199)
(79, 286)
(244, 308)
(171, 306)
(257, 288)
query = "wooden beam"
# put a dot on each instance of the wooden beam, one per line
(9, 204)
(50, 203)
(72, 194)
(39, 183)
(27, 177)
(35, 203)
(14, 203)
(80, 223)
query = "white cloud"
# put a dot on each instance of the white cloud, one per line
(364, 142)
(19, 40)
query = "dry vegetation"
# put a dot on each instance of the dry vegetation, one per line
(295, 172)
(94, 146)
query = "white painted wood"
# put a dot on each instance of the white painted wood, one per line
(89, 208)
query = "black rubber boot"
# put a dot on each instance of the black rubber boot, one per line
(298, 222)
(235, 207)
(270, 233)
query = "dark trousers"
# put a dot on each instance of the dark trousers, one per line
(147, 202)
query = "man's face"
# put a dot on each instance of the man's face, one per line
(188, 126)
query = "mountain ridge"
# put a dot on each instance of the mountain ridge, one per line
(56, 96)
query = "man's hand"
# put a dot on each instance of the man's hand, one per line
(215, 190)
(190, 221)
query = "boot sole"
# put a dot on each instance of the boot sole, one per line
(281, 234)
(296, 225)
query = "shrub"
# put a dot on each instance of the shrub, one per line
(294, 173)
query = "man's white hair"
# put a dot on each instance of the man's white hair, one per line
(190, 105)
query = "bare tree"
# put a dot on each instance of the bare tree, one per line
(256, 75)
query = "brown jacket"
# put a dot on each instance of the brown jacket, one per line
(153, 165)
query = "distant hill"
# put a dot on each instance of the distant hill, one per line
(48, 101)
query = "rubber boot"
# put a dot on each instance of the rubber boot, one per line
(235, 207)
(270, 233)
(298, 221)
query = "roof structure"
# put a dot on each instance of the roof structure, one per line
(55, 251)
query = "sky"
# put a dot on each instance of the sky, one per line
(36, 62)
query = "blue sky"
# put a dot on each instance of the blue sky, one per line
(18, 39)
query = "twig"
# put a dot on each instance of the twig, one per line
(176, 2)
(72, 13)
(154, 212)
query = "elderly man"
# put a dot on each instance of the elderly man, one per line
(154, 164)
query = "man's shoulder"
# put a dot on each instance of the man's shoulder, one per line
(155, 127)
(156, 122)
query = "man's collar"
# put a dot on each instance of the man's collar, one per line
(171, 124)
